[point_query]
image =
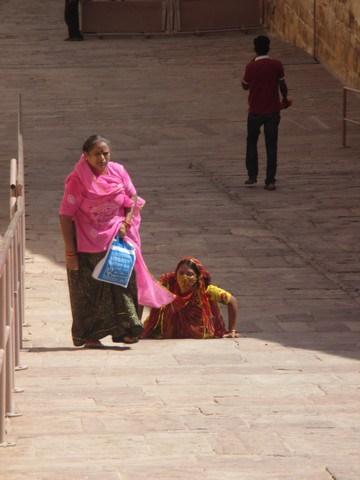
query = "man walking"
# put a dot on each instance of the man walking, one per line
(264, 77)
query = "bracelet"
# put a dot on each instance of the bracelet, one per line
(71, 254)
(126, 224)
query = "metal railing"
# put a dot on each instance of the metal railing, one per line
(169, 17)
(347, 120)
(12, 263)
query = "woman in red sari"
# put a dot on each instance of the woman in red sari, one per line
(195, 312)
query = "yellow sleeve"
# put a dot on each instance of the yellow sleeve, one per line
(217, 294)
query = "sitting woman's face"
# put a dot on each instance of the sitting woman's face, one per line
(98, 157)
(186, 278)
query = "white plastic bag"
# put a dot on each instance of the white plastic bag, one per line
(117, 265)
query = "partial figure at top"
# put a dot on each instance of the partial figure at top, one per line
(195, 312)
(71, 17)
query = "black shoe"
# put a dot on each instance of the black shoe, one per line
(250, 181)
(117, 339)
(270, 186)
(78, 38)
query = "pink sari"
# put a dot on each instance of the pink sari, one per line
(97, 204)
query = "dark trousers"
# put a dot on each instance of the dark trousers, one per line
(71, 17)
(271, 127)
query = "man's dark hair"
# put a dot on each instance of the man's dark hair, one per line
(262, 44)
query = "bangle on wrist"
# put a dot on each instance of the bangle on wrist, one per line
(68, 254)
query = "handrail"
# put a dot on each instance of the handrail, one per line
(167, 17)
(12, 263)
(345, 118)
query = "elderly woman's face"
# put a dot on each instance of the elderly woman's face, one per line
(186, 278)
(98, 157)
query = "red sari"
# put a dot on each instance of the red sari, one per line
(191, 315)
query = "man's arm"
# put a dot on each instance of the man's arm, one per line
(244, 85)
(246, 79)
(283, 88)
(286, 103)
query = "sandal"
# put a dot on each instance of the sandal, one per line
(128, 339)
(117, 339)
(125, 339)
(231, 334)
(93, 343)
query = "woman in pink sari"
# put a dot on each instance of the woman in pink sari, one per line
(99, 202)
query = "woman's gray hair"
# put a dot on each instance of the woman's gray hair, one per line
(92, 141)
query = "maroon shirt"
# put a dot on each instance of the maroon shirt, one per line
(262, 75)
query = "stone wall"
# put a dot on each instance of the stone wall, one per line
(327, 29)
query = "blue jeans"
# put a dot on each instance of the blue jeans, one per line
(271, 127)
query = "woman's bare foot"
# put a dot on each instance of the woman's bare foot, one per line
(231, 334)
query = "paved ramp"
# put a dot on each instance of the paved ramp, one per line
(282, 401)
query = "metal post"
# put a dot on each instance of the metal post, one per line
(13, 189)
(17, 301)
(22, 272)
(10, 351)
(3, 342)
(2, 396)
(17, 331)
